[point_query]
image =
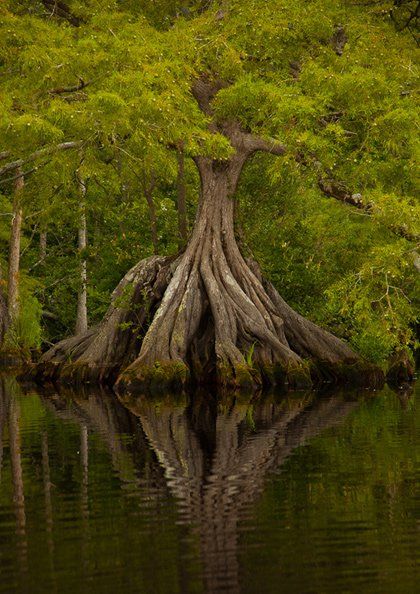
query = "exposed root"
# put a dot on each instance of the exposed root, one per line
(100, 353)
(199, 319)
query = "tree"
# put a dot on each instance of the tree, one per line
(82, 314)
(224, 82)
(14, 254)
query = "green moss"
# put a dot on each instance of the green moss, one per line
(159, 377)
(241, 376)
(298, 376)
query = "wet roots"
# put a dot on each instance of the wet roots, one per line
(204, 317)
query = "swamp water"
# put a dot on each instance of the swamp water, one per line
(287, 494)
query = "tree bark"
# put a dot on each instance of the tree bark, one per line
(82, 317)
(181, 201)
(14, 250)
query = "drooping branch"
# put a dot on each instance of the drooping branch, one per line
(22, 173)
(63, 146)
(413, 10)
(405, 14)
(339, 191)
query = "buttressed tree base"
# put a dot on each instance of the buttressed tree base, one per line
(206, 315)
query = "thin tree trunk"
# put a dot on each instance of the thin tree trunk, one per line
(82, 318)
(42, 246)
(3, 310)
(14, 249)
(148, 192)
(181, 202)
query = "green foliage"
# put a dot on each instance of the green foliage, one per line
(342, 268)
(25, 332)
(374, 304)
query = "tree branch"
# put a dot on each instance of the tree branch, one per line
(204, 90)
(22, 173)
(63, 146)
(255, 143)
(337, 190)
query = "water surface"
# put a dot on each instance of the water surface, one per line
(285, 494)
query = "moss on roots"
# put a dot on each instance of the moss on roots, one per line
(162, 376)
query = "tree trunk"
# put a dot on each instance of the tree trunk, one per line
(14, 248)
(148, 192)
(181, 202)
(82, 318)
(207, 316)
(4, 318)
(217, 320)
(42, 246)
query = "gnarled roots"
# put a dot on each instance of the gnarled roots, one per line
(206, 316)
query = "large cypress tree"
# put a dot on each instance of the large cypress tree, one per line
(306, 82)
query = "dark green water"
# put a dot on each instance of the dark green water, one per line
(301, 494)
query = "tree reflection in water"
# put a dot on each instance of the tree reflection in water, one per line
(212, 456)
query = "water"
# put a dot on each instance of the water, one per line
(297, 494)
